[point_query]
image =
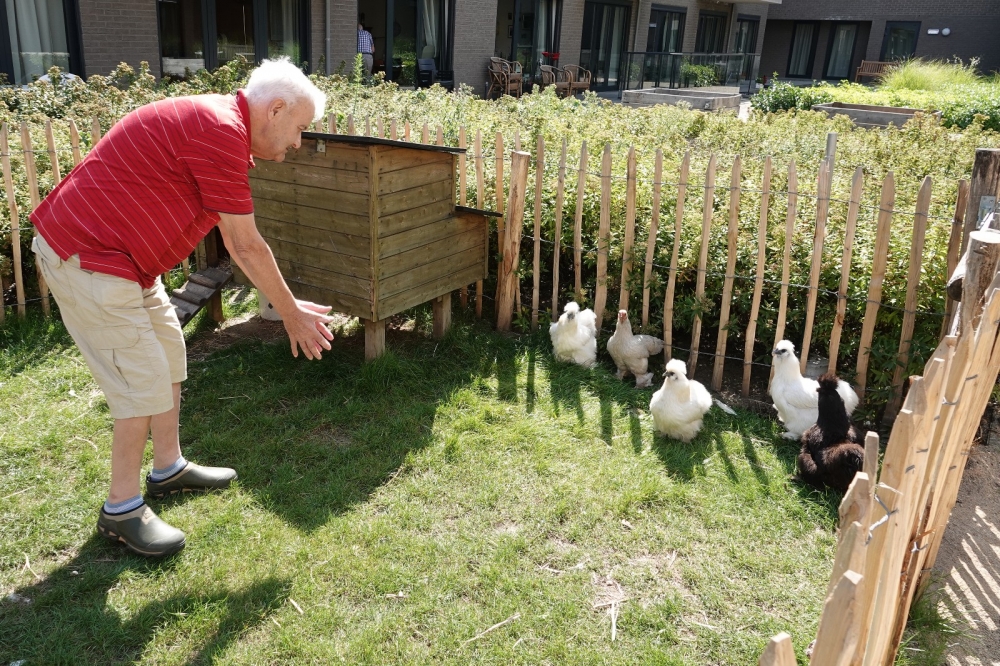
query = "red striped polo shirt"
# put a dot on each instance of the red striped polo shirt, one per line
(153, 187)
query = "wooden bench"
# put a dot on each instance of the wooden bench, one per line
(872, 68)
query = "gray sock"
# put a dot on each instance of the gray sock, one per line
(123, 507)
(163, 474)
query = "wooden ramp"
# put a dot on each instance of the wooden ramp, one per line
(198, 291)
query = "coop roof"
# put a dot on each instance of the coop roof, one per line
(370, 140)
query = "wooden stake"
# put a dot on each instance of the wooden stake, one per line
(603, 238)
(53, 155)
(507, 273)
(581, 190)
(779, 652)
(350, 128)
(498, 192)
(29, 167)
(654, 227)
(74, 142)
(845, 267)
(368, 127)
(786, 258)
(823, 182)
(727, 284)
(557, 237)
(871, 456)
(393, 133)
(95, 132)
(910, 307)
(425, 134)
(15, 229)
(331, 123)
(699, 292)
(668, 299)
(837, 637)
(954, 247)
(462, 165)
(517, 140)
(441, 307)
(985, 182)
(879, 259)
(406, 131)
(480, 203)
(440, 135)
(758, 285)
(536, 270)
(875, 552)
(374, 338)
(630, 178)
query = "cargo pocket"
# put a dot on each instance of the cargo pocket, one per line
(127, 357)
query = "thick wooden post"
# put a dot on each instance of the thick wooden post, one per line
(212, 259)
(955, 248)
(442, 315)
(374, 338)
(507, 273)
(983, 190)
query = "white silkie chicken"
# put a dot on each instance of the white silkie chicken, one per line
(631, 352)
(574, 336)
(680, 404)
(795, 397)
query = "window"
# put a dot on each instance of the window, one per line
(838, 60)
(528, 31)
(746, 34)
(203, 34)
(800, 59)
(37, 35)
(900, 40)
(711, 36)
(666, 29)
(605, 31)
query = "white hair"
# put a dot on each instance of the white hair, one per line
(281, 79)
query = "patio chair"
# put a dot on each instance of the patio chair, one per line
(499, 81)
(515, 77)
(578, 77)
(553, 76)
(428, 74)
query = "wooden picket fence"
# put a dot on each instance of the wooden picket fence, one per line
(892, 521)
(391, 129)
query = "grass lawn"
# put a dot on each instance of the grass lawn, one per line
(404, 506)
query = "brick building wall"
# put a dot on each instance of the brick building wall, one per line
(972, 23)
(114, 32)
(475, 27)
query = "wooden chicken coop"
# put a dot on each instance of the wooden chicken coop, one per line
(370, 227)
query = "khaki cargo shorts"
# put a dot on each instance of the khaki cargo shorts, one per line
(129, 336)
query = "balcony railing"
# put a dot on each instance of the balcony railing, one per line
(644, 69)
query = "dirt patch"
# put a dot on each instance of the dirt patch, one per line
(967, 569)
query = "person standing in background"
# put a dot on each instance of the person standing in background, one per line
(366, 47)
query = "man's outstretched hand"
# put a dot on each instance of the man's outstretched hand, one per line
(307, 329)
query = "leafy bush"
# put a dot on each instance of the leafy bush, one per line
(698, 76)
(962, 97)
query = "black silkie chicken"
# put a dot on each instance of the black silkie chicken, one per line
(833, 449)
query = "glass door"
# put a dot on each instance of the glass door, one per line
(711, 37)
(605, 30)
(800, 59)
(666, 30)
(900, 40)
(746, 35)
(838, 60)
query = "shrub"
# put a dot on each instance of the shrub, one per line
(930, 75)
(698, 76)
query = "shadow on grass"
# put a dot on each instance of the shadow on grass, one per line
(31, 341)
(71, 621)
(312, 439)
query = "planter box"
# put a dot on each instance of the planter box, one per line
(369, 226)
(698, 99)
(865, 115)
